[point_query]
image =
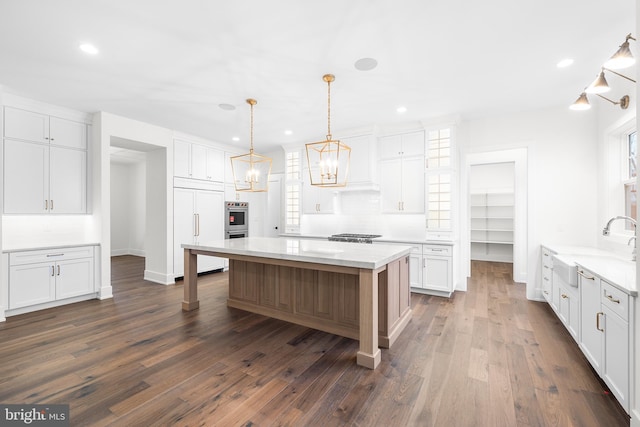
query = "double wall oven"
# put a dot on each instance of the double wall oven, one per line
(236, 221)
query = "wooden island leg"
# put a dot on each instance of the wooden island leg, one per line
(369, 353)
(190, 281)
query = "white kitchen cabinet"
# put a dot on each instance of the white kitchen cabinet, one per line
(317, 200)
(36, 127)
(198, 217)
(44, 179)
(197, 161)
(437, 276)
(45, 164)
(43, 276)
(401, 171)
(415, 267)
(590, 331)
(605, 335)
(547, 274)
(568, 308)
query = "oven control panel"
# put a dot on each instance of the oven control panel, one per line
(237, 204)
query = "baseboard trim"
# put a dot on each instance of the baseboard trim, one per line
(163, 279)
(134, 252)
(105, 293)
(635, 417)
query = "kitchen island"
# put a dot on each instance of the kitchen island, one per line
(360, 291)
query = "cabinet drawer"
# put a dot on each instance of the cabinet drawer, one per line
(436, 250)
(48, 255)
(615, 299)
(546, 258)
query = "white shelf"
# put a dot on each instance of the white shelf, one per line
(492, 217)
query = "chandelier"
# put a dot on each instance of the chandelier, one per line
(328, 161)
(251, 171)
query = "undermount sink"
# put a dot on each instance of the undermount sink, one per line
(566, 269)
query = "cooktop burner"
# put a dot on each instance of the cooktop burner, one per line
(354, 237)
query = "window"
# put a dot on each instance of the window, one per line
(292, 192)
(439, 179)
(630, 201)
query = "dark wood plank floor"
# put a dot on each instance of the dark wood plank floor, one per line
(487, 357)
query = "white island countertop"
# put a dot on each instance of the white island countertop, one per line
(358, 255)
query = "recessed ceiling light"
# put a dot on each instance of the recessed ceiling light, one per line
(564, 63)
(401, 110)
(89, 48)
(235, 138)
(288, 132)
(227, 107)
(365, 64)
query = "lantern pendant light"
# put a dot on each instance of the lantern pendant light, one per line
(328, 161)
(251, 171)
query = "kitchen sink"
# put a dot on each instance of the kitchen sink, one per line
(566, 269)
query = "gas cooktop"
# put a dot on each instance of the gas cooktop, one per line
(353, 237)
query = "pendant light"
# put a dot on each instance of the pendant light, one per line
(251, 171)
(328, 161)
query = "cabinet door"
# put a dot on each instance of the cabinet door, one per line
(590, 315)
(413, 144)
(412, 185)
(67, 181)
(616, 355)
(415, 270)
(181, 159)
(26, 177)
(74, 278)
(198, 162)
(31, 284)
(183, 225)
(210, 222)
(437, 274)
(67, 133)
(317, 200)
(390, 185)
(26, 125)
(390, 147)
(215, 165)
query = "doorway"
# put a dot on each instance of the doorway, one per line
(495, 186)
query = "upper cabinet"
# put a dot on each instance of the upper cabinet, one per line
(197, 161)
(45, 164)
(402, 188)
(36, 127)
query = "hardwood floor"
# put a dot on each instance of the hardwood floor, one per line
(487, 357)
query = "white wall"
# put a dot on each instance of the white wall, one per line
(562, 160)
(128, 208)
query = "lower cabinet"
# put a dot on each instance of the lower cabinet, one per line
(568, 306)
(605, 334)
(45, 276)
(547, 276)
(435, 270)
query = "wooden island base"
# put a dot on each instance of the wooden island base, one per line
(370, 305)
(325, 300)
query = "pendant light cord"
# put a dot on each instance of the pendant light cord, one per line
(328, 109)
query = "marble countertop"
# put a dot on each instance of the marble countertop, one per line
(616, 270)
(383, 239)
(358, 255)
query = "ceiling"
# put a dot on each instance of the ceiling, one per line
(173, 63)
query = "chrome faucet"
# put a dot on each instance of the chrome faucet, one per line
(606, 232)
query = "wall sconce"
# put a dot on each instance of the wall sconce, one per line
(621, 59)
(582, 103)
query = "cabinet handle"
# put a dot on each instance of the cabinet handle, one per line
(580, 272)
(58, 269)
(46, 205)
(610, 298)
(545, 278)
(424, 262)
(598, 321)
(51, 139)
(564, 296)
(51, 204)
(53, 271)
(545, 254)
(546, 266)
(546, 292)
(195, 225)
(52, 255)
